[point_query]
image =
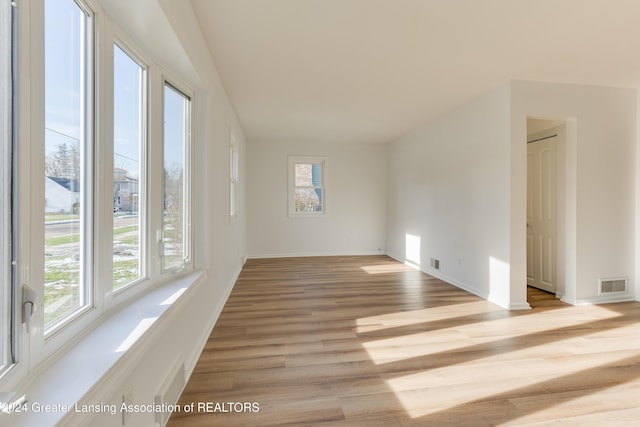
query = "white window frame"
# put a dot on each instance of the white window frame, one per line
(88, 143)
(6, 167)
(233, 176)
(143, 181)
(292, 161)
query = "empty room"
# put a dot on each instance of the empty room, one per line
(319, 212)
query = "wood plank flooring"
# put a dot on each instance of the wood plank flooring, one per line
(367, 341)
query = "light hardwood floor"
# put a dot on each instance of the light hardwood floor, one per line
(368, 341)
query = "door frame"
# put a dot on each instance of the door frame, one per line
(565, 245)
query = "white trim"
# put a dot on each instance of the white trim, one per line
(30, 60)
(314, 254)
(598, 300)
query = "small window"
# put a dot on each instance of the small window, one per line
(307, 195)
(233, 177)
(177, 135)
(129, 189)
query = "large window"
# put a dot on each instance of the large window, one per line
(68, 153)
(129, 121)
(6, 137)
(176, 218)
(307, 186)
(82, 193)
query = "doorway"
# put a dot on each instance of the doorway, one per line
(545, 148)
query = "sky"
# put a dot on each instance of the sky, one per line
(126, 117)
(63, 76)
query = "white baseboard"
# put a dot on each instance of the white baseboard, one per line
(464, 286)
(314, 254)
(598, 300)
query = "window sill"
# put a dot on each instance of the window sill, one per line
(308, 215)
(63, 382)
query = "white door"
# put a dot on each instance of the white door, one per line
(541, 214)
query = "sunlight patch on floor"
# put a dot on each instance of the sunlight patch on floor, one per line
(570, 407)
(415, 346)
(447, 358)
(413, 317)
(450, 387)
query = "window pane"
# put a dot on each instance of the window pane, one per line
(128, 145)
(176, 139)
(308, 175)
(303, 175)
(308, 200)
(65, 146)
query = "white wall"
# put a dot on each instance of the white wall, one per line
(460, 184)
(355, 200)
(57, 198)
(600, 180)
(448, 184)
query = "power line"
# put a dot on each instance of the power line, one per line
(128, 158)
(62, 134)
(77, 140)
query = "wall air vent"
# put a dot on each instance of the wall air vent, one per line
(170, 393)
(616, 285)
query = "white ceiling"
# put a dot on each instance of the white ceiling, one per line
(374, 70)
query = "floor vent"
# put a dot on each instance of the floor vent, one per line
(617, 285)
(170, 393)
